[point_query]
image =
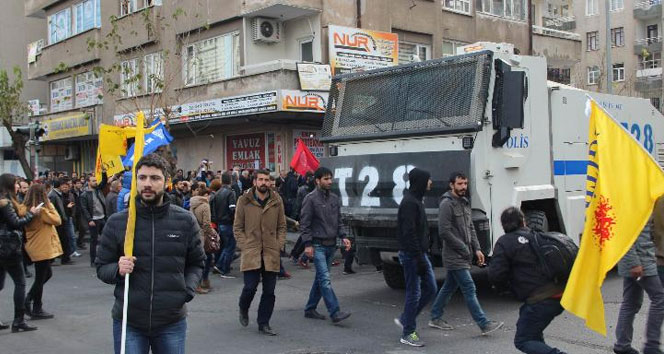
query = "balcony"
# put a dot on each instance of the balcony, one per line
(35, 8)
(545, 31)
(68, 53)
(649, 76)
(648, 10)
(559, 23)
(650, 45)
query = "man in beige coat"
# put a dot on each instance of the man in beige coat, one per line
(260, 230)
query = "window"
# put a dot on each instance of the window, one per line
(655, 102)
(616, 5)
(307, 50)
(411, 52)
(130, 6)
(154, 72)
(59, 26)
(129, 78)
(212, 59)
(87, 15)
(651, 61)
(510, 9)
(618, 37)
(652, 34)
(450, 47)
(559, 75)
(592, 7)
(619, 72)
(593, 75)
(592, 41)
(61, 95)
(88, 89)
(457, 5)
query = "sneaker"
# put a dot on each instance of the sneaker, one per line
(75, 254)
(412, 339)
(313, 314)
(244, 318)
(398, 323)
(266, 330)
(216, 270)
(340, 316)
(629, 350)
(348, 272)
(440, 324)
(226, 276)
(336, 262)
(491, 327)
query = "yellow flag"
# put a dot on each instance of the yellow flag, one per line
(623, 181)
(112, 164)
(113, 140)
(139, 144)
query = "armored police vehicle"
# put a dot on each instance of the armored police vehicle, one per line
(489, 113)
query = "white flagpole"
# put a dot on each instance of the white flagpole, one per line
(124, 315)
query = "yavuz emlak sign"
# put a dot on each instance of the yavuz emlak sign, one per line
(356, 49)
(245, 151)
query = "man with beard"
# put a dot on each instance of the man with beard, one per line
(460, 245)
(56, 197)
(260, 230)
(22, 190)
(165, 270)
(93, 208)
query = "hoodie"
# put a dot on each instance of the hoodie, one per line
(412, 218)
(123, 196)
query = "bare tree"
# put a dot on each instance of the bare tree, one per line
(12, 111)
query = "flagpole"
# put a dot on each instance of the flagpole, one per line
(123, 341)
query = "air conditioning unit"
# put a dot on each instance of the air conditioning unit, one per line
(266, 30)
(72, 153)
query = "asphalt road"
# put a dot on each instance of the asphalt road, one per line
(82, 306)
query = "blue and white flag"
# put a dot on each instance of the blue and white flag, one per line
(153, 141)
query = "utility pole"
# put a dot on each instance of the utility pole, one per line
(609, 66)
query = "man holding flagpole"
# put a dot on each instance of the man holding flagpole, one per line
(166, 265)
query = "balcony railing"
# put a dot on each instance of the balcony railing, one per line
(647, 4)
(567, 23)
(648, 41)
(556, 33)
(649, 64)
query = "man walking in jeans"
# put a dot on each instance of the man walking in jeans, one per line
(639, 271)
(320, 225)
(93, 209)
(515, 262)
(414, 245)
(260, 229)
(460, 245)
(222, 208)
(165, 270)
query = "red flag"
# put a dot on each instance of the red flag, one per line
(303, 159)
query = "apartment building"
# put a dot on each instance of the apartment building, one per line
(225, 73)
(635, 47)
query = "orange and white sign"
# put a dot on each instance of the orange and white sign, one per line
(356, 49)
(303, 101)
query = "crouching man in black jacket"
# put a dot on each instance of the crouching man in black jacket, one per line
(165, 270)
(514, 261)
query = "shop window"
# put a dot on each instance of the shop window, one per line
(89, 89)
(212, 59)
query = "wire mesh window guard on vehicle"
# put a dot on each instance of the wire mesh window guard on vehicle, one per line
(435, 96)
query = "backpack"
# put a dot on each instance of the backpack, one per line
(556, 253)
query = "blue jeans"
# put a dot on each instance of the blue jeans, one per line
(166, 340)
(69, 226)
(459, 278)
(322, 287)
(227, 253)
(533, 319)
(419, 291)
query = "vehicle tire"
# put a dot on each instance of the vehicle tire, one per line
(537, 220)
(393, 274)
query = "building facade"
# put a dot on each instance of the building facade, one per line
(226, 77)
(634, 47)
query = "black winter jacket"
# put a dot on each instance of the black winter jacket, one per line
(320, 220)
(222, 206)
(412, 218)
(87, 204)
(11, 225)
(168, 268)
(514, 262)
(56, 198)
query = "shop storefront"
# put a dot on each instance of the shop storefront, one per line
(68, 143)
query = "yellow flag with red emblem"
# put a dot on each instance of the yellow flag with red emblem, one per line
(622, 183)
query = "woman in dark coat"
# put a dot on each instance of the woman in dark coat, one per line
(13, 217)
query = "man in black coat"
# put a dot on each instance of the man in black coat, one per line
(413, 254)
(56, 197)
(93, 209)
(166, 266)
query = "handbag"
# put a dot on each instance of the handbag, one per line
(10, 244)
(211, 242)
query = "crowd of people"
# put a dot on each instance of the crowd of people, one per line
(189, 227)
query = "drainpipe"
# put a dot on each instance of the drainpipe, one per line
(358, 13)
(530, 27)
